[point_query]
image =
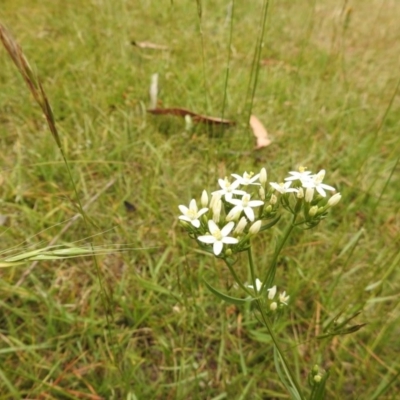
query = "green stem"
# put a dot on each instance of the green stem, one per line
(238, 281)
(269, 279)
(251, 264)
(291, 376)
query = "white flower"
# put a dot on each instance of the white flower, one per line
(302, 175)
(316, 183)
(334, 199)
(246, 179)
(228, 189)
(218, 237)
(283, 298)
(192, 214)
(244, 205)
(258, 285)
(271, 292)
(283, 187)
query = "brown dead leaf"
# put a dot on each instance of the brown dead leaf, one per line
(149, 45)
(182, 112)
(259, 132)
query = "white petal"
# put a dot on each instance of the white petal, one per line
(201, 212)
(212, 226)
(254, 178)
(193, 205)
(207, 239)
(226, 230)
(327, 187)
(221, 182)
(255, 203)
(183, 209)
(276, 186)
(236, 202)
(249, 213)
(217, 247)
(229, 240)
(196, 223)
(185, 218)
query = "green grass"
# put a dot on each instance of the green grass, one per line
(327, 95)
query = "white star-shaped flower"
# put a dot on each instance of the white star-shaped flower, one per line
(301, 175)
(283, 187)
(244, 205)
(247, 179)
(316, 183)
(283, 298)
(192, 214)
(218, 237)
(228, 188)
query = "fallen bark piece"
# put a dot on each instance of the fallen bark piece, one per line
(182, 112)
(149, 45)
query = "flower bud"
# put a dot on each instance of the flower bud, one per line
(271, 292)
(334, 200)
(299, 195)
(273, 306)
(188, 123)
(217, 211)
(233, 216)
(273, 199)
(204, 199)
(317, 378)
(240, 226)
(255, 228)
(309, 195)
(214, 198)
(261, 193)
(263, 176)
(313, 211)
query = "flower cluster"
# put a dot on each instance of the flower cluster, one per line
(246, 204)
(274, 303)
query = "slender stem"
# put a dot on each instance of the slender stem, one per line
(278, 348)
(228, 64)
(251, 264)
(235, 276)
(269, 279)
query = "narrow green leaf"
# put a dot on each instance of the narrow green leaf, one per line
(225, 297)
(270, 224)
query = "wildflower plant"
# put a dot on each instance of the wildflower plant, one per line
(243, 207)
